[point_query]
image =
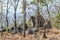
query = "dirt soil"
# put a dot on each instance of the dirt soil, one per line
(54, 34)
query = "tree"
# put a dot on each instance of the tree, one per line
(57, 22)
(37, 14)
(1, 14)
(7, 15)
(24, 11)
(15, 3)
(15, 9)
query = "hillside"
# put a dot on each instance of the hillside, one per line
(54, 34)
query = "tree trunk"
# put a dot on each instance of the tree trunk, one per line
(49, 20)
(48, 13)
(15, 9)
(1, 18)
(44, 33)
(7, 14)
(15, 25)
(24, 10)
(37, 14)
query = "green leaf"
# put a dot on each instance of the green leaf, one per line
(28, 23)
(43, 4)
(43, 1)
(7, 29)
(58, 16)
(33, 2)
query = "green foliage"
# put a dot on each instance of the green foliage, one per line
(51, 1)
(57, 22)
(43, 4)
(28, 23)
(33, 2)
(58, 25)
(42, 1)
(58, 16)
(7, 29)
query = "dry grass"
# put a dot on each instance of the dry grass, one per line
(54, 34)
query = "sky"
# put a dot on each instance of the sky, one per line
(32, 12)
(19, 10)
